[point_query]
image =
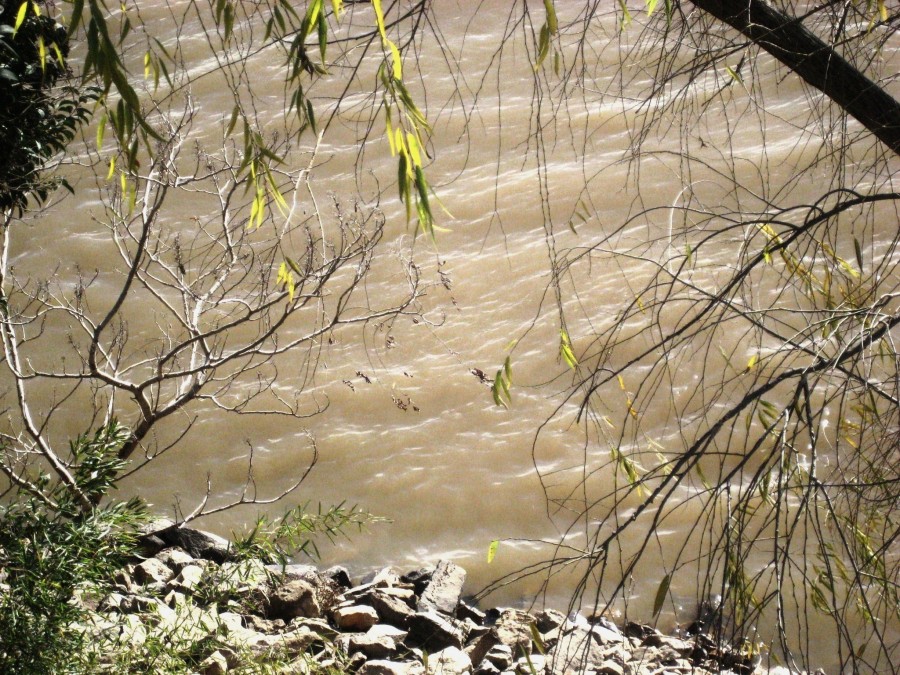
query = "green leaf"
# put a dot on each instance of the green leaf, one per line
(661, 593)
(858, 249)
(75, 21)
(232, 121)
(543, 46)
(537, 639)
(492, 550)
(733, 74)
(552, 22)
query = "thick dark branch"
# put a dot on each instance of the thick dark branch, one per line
(789, 41)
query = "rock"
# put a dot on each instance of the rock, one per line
(299, 640)
(214, 664)
(111, 602)
(466, 611)
(138, 603)
(175, 558)
(174, 598)
(610, 667)
(292, 599)
(443, 591)
(152, 571)
(676, 645)
(391, 609)
(434, 632)
(356, 617)
(188, 578)
(500, 656)
(637, 630)
(382, 629)
(607, 636)
(261, 625)
(380, 667)
(486, 668)
(327, 590)
(528, 665)
(575, 651)
(339, 575)
(512, 629)
(449, 661)
(122, 578)
(197, 543)
(418, 578)
(386, 576)
(549, 619)
(318, 626)
(404, 593)
(372, 646)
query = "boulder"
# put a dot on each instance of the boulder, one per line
(449, 661)
(380, 667)
(188, 578)
(197, 543)
(512, 629)
(549, 619)
(152, 571)
(292, 599)
(355, 617)
(575, 652)
(443, 591)
(214, 664)
(530, 664)
(500, 656)
(327, 590)
(418, 578)
(391, 609)
(466, 611)
(339, 575)
(175, 558)
(387, 576)
(372, 646)
(434, 632)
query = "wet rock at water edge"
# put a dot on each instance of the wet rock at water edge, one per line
(197, 543)
(443, 590)
(433, 632)
(418, 578)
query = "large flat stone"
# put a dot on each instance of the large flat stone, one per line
(444, 589)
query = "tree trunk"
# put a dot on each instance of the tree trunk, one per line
(789, 41)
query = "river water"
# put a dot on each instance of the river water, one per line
(411, 432)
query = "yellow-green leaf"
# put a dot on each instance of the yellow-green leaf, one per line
(397, 63)
(379, 19)
(20, 17)
(492, 551)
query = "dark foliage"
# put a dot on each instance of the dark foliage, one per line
(39, 114)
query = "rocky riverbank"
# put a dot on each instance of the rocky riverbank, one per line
(187, 600)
